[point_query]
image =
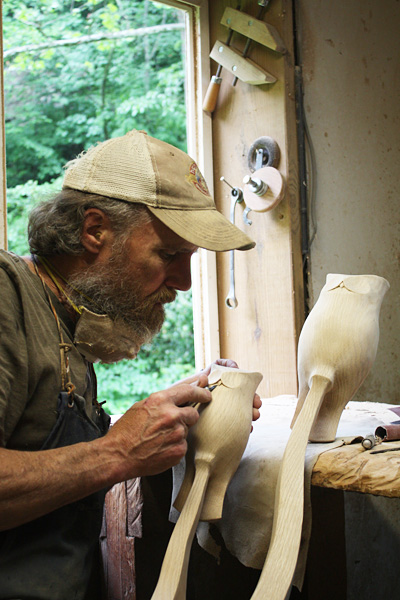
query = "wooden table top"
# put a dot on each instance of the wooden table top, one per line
(352, 468)
(347, 467)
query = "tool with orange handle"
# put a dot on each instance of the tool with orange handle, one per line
(211, 97)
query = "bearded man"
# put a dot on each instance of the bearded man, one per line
(106, 254)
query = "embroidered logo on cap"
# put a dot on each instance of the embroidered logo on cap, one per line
(197, 179)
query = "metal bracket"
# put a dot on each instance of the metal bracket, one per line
(264, 152)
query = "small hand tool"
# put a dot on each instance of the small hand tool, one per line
(370, 441)
(236, 198)
(211, 97)
(210, 388)
(263, 7)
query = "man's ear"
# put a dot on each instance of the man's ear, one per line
(96, 230)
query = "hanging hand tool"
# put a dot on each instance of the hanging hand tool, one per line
(263, 7)
(236, 198)
(211, 97)
(237, 62)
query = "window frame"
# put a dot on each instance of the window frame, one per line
(3, 180)
(199, 139)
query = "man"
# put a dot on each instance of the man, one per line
(107, 253)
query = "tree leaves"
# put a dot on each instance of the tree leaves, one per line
(67, 98)
(168, 359)
(62, 99)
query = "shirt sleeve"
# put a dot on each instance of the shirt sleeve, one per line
(13, 356)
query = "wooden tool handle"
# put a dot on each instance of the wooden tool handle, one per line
(211, 97)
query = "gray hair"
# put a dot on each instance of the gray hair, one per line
(55, 225)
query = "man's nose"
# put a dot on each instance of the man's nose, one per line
(179, 275)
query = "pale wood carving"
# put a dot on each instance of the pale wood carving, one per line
(215, 446)
(337, 347)
(339, 342)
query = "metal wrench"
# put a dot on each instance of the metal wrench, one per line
(231, 300)
(236, 198)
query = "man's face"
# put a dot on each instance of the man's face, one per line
(133, 280)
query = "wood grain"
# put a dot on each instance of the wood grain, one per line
(118, 551)
(278, 570)
(337, 348)
(339, 341)
(215, 446)
(354, 469)
(262, 332)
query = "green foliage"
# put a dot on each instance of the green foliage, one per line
(62, 99)
(20, 200)
(168, 359)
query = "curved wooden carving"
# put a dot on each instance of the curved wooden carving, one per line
(337, 348)
(215, 446)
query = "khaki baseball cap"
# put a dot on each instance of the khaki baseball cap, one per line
(139, 168)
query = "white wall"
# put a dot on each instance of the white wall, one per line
(350, 53)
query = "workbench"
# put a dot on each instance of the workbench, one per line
(339, 521)
(355, 538)
(349, 467)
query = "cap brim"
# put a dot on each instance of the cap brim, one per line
(207, 229)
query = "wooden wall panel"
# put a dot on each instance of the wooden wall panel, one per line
(262, 332)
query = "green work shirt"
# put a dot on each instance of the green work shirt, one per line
(30, 372)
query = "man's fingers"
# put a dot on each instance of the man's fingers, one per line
(190, 394)
(257, 401)
(189, 416)
(222, 362)
(227, 362)
(201, 381)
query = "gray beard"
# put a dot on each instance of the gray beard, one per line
(108, 288)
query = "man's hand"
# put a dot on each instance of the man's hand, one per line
(226, 362)
(151, 436)
(148, 439)
(221, 362)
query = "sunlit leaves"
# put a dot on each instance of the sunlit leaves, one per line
(73, 96)
(61, 100)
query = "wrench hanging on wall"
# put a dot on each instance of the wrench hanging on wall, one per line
(236, 198)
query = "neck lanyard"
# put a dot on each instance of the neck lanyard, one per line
(66, 383)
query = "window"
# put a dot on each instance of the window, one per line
(81, 72)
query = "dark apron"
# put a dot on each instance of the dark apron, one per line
(56, 557)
